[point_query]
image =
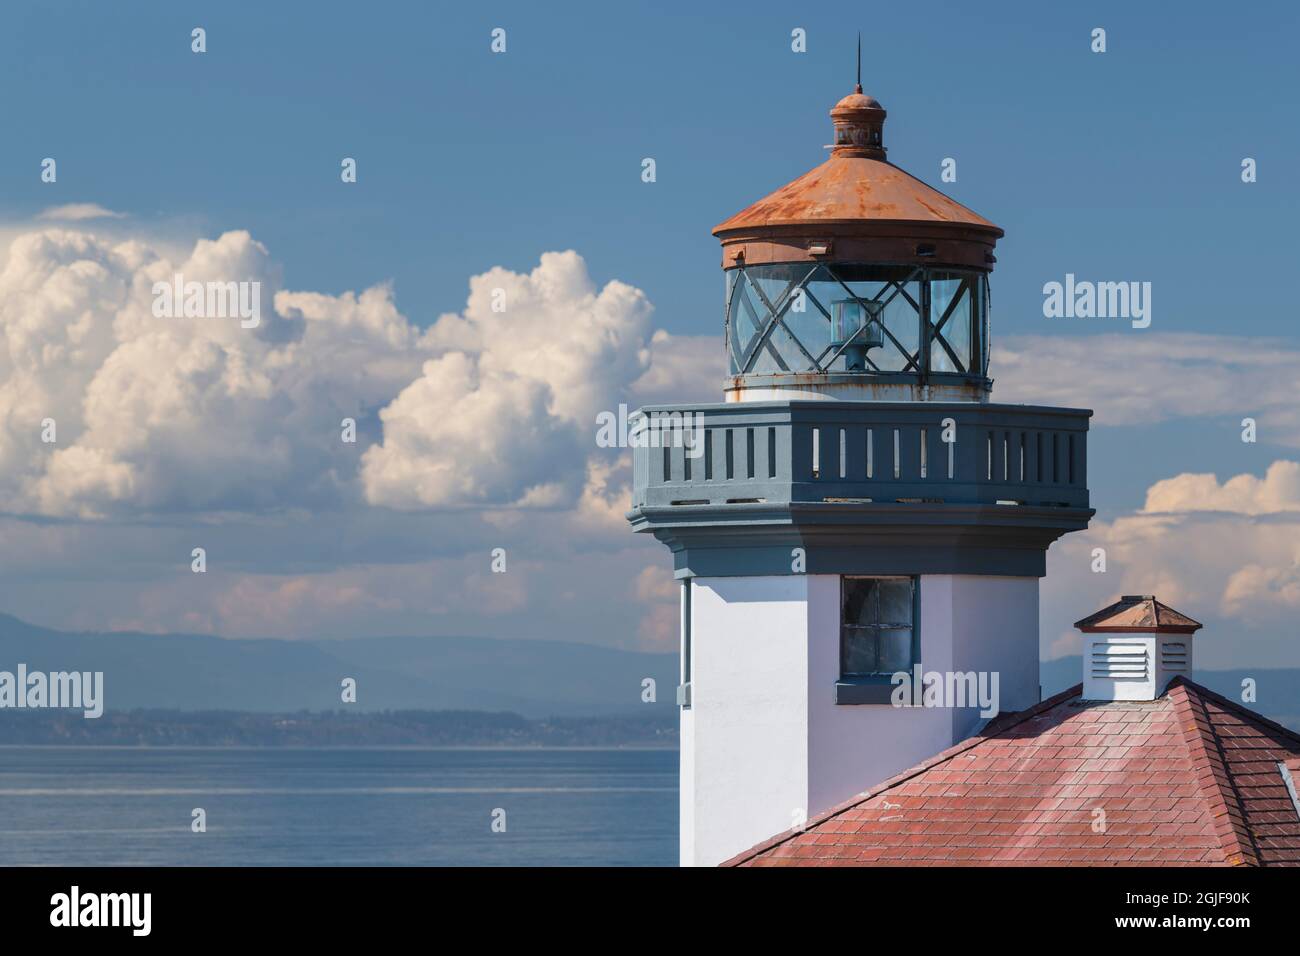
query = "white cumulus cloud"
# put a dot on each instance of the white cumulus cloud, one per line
(507, 413)
(1277, 491)
(1229, 549)
(492, 407)
(78, 212)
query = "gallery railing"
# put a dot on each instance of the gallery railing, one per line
(785, 452)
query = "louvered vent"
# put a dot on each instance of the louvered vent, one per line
(1173, 656)
(1120, 660)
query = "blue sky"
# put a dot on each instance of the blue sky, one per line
(1116, 166)
(1124, 163)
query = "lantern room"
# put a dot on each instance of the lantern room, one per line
(857, 281)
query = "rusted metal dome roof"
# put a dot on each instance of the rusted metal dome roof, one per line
(858, 206)
(858, 100)
(851, 189)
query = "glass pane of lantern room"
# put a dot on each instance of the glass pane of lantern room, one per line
(904, 324)
(738, 325)
(889, 286)
(748, 319)
(802, 318)
(783, 345)
(871, 283)
(814, 326)
(956, 331)
(775, 288)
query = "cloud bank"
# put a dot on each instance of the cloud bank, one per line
(491, 407)
(167, 425)
(1152, 377)
(1228, 550)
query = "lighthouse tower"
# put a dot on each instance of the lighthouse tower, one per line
(857, 507)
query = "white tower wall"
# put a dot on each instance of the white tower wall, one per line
(745, 754)
(764, 741)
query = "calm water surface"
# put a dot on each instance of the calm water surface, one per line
(96, 806)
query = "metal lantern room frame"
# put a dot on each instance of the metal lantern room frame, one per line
(753, 316)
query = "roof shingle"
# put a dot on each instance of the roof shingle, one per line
(1191, 778)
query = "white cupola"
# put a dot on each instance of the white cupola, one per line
(1134, 648)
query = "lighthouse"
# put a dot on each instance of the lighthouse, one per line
(856, 523)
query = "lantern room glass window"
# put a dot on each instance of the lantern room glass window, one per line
(858, 318)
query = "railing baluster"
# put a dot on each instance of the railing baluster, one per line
(1002, 453)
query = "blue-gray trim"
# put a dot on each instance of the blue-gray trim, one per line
(867, 690)
(789, 379)
(732, 540)
(1028, 454)
(1019, 482)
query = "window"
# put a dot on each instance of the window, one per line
(877, 633)
(872, 318)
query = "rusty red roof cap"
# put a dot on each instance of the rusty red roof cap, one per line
(855, 189)
(868, 208)
(1138, 612)
(858, 100)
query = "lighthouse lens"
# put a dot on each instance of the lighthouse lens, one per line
(848, 320)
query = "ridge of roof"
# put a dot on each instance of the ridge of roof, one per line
(1213, 779)
(995, 727)
(1236, 707)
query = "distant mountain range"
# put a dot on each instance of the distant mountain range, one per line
(200, 672)
(336, 728)
(532, 678)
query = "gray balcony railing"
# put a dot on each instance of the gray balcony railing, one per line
(781, 452)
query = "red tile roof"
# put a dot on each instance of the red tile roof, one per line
(1191, 778)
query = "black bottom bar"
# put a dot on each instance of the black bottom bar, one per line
(481, 906)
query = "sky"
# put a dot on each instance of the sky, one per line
(522, 171)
